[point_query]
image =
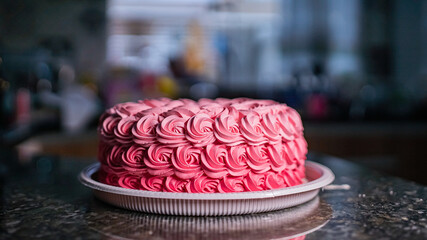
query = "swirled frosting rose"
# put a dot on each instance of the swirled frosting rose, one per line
(186, 161)
(208, 146)
(158, 160)
(171, 131)
(144, 131)
(123, 130)
(199, 130)
(133, 159)
(227, 128)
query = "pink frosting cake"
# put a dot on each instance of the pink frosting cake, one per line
(209, 146)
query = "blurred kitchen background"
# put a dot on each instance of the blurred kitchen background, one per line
(356, 70)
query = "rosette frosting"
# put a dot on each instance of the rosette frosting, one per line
(209, 146)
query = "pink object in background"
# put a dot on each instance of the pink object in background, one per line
(317, 106)
(23, 106)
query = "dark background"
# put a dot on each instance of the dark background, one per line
(356, 70)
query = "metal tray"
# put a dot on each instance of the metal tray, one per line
(210, 204)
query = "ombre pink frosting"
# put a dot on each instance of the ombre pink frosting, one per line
(209, 146)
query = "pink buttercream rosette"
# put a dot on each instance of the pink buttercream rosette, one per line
(209, 146)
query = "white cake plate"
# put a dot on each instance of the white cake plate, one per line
(210, 204)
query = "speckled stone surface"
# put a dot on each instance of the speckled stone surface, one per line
(43, 199)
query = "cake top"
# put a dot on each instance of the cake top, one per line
(179, 122)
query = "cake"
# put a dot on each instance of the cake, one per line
(205, 146)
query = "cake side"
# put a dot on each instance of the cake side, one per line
(222, 145)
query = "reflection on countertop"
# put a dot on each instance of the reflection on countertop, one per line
(288, 223)
(42, 198)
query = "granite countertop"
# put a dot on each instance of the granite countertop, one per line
(42, 198)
